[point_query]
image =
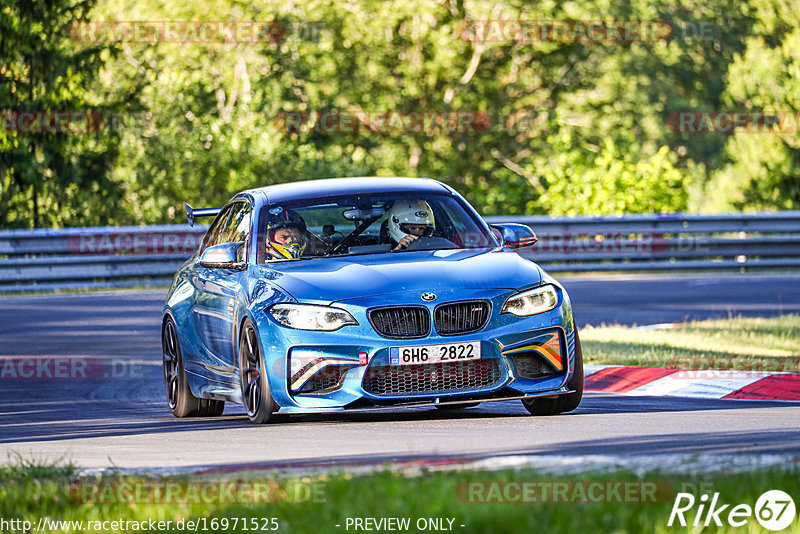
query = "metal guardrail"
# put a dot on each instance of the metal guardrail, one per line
(149, 255)
(98, 257)
(673, 241)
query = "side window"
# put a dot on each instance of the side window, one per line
(237, 228)
(214, 232)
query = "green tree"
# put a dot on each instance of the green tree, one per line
(764, 169)
(53, 177)
(574, 127)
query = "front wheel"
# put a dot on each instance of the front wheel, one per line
(252, 371)
(179, 397)
(562, 403)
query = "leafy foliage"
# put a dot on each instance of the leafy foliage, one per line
(565, 127)
(52, 177)
(765, 169)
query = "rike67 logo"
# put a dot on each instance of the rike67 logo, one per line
(774, 510)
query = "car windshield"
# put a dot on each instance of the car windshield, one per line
(368, 224)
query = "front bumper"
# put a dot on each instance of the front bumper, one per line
(352, 365)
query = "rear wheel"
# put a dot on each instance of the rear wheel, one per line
(562, 403)
(255, 386)
(179, 397)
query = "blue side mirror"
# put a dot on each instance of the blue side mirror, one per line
(224, 256)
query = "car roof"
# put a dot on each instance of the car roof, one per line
(345, 186)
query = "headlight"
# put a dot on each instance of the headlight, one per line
(308, 317)
(531, 302)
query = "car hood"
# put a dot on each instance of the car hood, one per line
(326, 280)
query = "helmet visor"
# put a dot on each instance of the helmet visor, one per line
(421, 230)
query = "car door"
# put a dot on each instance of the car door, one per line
(217, 293)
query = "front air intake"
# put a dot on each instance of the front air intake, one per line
(432, 378)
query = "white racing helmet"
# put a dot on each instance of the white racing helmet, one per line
(405, 212)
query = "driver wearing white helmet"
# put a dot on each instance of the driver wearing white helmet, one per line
(408, 221)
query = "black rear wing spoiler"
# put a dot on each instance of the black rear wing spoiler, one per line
(192, 213)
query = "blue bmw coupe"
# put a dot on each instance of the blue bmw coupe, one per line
(354, 293)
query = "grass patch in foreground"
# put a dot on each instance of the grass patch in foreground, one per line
(32, 493)
(768, 344)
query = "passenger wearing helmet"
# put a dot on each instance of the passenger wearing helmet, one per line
(286, 234)
(408, 221)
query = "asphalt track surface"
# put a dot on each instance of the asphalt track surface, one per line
(119, 418)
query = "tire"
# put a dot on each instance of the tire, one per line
(180, 400)
(256, 396)
(562, 403)
(457, 407)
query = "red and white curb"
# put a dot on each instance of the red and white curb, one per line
(707, 384)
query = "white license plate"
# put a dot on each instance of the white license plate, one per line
(446, 352)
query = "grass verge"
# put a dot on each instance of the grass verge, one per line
(761, 344)
(82, 290)
(585, 503)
